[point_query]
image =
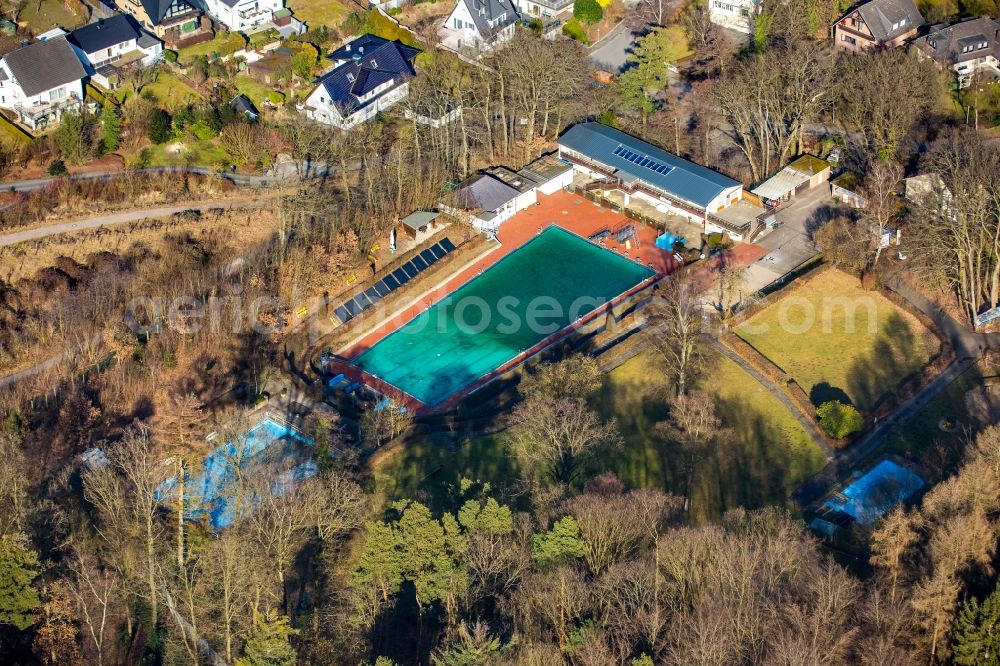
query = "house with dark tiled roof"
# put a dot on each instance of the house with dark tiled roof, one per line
(41, 81)
(370, 74)
(968, 47)
(476, 26)
(877, 24)
(177, 22)
(118, 40)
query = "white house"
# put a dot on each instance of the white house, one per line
(118, 40)
(543, 8)
(370, 75)
(735, 15)
(41, 81)
(243, 15)
(477, 26)
(968, 47)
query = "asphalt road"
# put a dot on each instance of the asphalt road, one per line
(611, 52)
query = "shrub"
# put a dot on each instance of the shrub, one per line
(574, 30)
(587, 11)
(159, 126)
(169, 55)
(275, 97)
(535, 25)
(57, 168)
(839, 420)
(202, 130)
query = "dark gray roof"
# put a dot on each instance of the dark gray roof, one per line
(944, 43)
(881, 15)
(672, 174)
(242, 104)
(147, 40)
(41, 66)
(501, 12)
(104, 33)
(485, 192)
(157, 9)
(371, 62)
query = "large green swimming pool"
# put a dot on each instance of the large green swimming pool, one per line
(540, 288)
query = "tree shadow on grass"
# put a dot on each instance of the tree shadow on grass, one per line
(894, 355)
(823, 392)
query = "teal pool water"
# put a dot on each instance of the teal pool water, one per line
(536, 290)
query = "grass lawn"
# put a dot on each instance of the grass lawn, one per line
(171, 92)
(923, 441)
(425, 470)
(47, 14)
(835, 338)
(768, 456)
(198, 153)
(223, 43)
(321, 12)
(256, 91)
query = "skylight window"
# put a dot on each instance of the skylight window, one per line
(642, 160)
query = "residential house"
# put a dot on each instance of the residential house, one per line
(41, 81)
(735, 15)
(243, 15)
(667, 182)
(804, 173)
(109, 46)
(846, 188)
(370, 75)
(968, 47)
(476, 26)
(530, 9)
(177, 22)
(877, 24)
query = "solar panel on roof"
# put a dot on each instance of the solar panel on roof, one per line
(419, 262)
(428, 257)
(381, 288)
(353, 308)
(401, 276)
(447, 244)
(342, 314)
(363, 301)
(391, 282)
(410, 269)
(373, 294)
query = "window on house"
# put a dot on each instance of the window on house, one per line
(458, 24)
(855, 23)
(350, 77)
(374, 64)
(848, 39)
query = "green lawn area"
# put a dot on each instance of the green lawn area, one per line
(834, 338)
(921, 439)
(223, 43)
(46, 14)
(768, 457)
(426, 470)
(321, 12)
(197, 153)
(256, 91)
(171, 92)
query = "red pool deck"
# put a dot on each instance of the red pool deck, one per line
(569, 211)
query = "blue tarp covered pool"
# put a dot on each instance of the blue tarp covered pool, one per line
(870, 496)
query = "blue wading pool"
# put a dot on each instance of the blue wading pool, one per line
(876, 492)
(268, 442)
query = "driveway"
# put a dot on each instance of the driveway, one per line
(789, 245)
(610, 53)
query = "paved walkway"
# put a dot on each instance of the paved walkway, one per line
(112, 219)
